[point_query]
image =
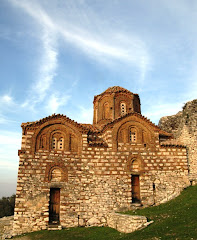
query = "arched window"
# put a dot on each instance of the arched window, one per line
(123, 109)
(42, 142)
(133, 135)
(57, 142)
(96, 114)
(56, 174)
(134, 165)
(106, 111)
(54, 143)
(60, 143)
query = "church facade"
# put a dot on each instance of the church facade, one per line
(70, 173)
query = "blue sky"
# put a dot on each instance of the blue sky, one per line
(56, 55)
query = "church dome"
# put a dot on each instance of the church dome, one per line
(113, 103)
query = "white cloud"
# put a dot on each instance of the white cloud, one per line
(48, 65)
(109, 46)
(48, 56)
(85, 115)
(55, 102)
(160, 110)
(6, 99)
(127, 49)
(7, 105)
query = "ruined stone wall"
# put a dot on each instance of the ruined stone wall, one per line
(126, 223)
(184, 127)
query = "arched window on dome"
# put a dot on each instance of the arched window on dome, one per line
(123, 109)
(106, 111)
(132, 135)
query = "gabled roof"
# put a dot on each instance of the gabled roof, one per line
(90, 127)
(156, 128)
(83, 127)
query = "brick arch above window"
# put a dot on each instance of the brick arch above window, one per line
(121, 129)
(129, 133)
(135, 164)
(56, 172)
(60, 136)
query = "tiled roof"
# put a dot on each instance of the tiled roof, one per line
(84, 127)
(90, 127)
(115, 89)
(141, 117)
(172, 142)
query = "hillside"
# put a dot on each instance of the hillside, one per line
(173, 220)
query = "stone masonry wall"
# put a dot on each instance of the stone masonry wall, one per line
(97, 182)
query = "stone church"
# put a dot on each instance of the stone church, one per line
(70, 172)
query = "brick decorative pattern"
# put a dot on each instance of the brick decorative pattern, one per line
(93, 171)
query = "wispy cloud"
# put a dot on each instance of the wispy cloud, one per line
(127, 49)
(8, 104)
(48, 65)
(48, 56)
(55, 102)
(160, 110)
(85, 115)
(6, 99)
(106, 46)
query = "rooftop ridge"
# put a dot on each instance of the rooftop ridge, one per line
(140, 116)
(55, 116)
(115, 89)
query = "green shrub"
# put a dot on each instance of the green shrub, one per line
(7, 206)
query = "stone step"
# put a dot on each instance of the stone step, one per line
(135, 206)
(54, 227)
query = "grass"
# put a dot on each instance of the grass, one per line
(175, 220)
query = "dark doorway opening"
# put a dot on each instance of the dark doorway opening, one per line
(54, 206)
(135, 182)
